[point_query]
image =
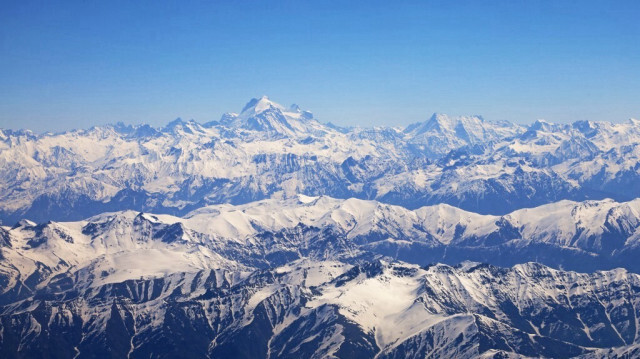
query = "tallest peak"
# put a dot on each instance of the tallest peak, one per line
(257, 105)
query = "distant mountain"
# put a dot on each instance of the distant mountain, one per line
(271, 151)
(440, 134)
(268, 118)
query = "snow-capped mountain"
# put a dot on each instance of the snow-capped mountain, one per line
(325, 309)
(268, 150)
(271, 119)
(440, 134)
(268, 234)
(121, 246)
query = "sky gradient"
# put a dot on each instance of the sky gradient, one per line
(75, 64)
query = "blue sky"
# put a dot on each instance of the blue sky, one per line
(72, 64)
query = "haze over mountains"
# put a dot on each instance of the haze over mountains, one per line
(268, 234)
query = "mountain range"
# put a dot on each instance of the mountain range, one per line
(268, 151)
(268, 234)
(331, 309)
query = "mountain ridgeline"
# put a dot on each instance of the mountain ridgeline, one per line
(268, 234)
(268, 151)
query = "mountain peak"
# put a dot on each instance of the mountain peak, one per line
(449, 121)
(443, 122)
(439, 117)
(178, 121)
(294, 108)
(545, 126)
(259, 105)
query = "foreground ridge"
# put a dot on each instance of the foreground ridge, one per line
(325, 309)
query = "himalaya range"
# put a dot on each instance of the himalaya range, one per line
(271, 151)
(268, 234)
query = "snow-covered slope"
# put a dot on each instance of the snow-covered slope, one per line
(268, 234)
(326, 309)
(441, 133)
(271, 151)
(271, 119)
(114, 247)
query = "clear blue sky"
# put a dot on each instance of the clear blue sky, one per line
(73, 64)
